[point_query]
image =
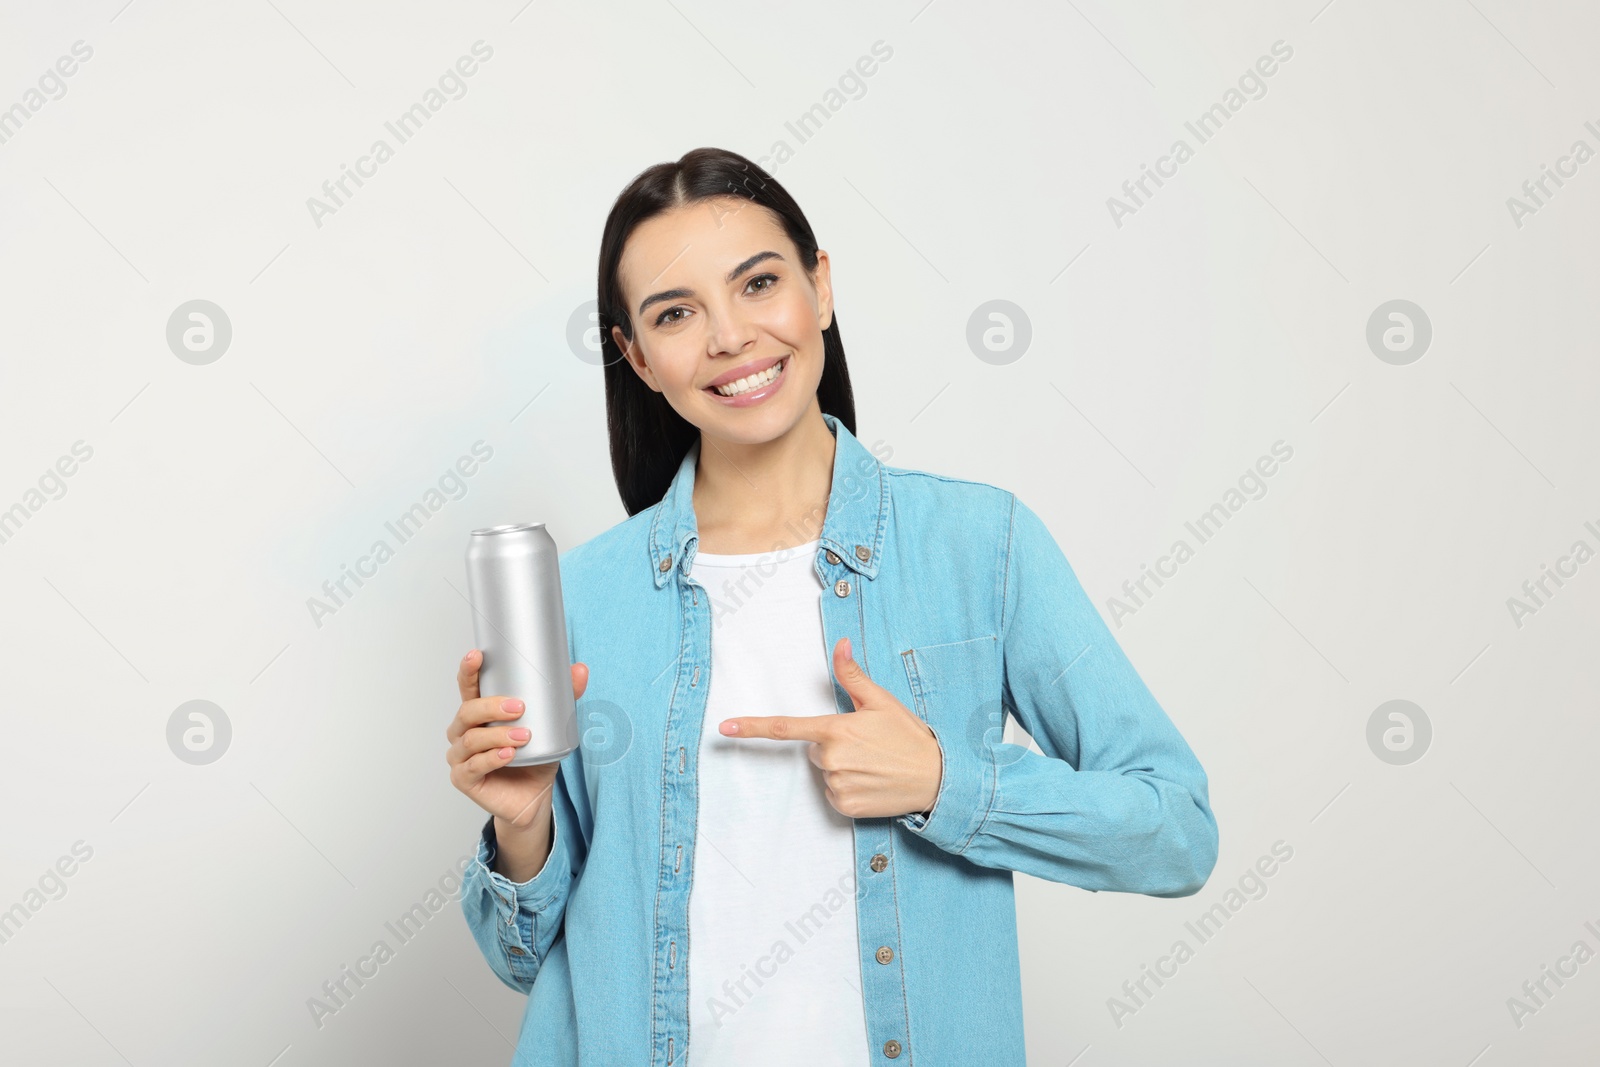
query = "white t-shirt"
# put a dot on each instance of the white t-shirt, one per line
(774, 969)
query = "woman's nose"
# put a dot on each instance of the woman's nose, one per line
(730, 331)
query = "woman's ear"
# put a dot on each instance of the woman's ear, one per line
(822, 279)
(635, 358)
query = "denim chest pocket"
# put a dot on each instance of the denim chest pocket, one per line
(955, 688)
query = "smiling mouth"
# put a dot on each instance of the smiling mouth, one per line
(751, 383)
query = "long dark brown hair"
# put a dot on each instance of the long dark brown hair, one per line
(648, 438)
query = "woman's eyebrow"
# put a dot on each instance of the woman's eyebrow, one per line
(675, 294)
(752, 261)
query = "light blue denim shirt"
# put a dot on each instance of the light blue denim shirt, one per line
(957, 600)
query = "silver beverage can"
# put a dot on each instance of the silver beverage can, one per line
(520, 625)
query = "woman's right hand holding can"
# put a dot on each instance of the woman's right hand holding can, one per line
(518, 797)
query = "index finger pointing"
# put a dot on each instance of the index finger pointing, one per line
(779, 727)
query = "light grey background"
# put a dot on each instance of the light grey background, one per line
(1168, 353)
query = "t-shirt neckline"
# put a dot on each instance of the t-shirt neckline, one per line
(745, 559)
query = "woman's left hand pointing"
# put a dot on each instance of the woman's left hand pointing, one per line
(880, 761)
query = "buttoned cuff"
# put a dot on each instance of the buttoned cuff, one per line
(518, 905)
(537, 892)
(966, 792)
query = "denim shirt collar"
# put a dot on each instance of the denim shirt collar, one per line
(853, 529)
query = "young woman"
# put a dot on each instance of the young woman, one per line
(789, 833)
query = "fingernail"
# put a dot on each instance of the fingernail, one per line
(730, 727)
(520, 734)
(511, 706)
(505, 753)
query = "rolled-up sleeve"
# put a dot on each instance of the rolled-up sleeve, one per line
(1116, 799)
(515, 923)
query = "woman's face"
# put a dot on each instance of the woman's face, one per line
(716, 292)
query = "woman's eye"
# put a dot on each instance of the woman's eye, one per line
(670, 316)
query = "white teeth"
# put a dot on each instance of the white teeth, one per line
(754, 381)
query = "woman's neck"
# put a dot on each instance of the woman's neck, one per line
(760, 497)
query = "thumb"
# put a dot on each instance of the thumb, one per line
(851, 675)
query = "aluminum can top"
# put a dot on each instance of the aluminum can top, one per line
(508, 528)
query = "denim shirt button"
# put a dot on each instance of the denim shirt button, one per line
(832, 556)
(863, 553)
(666, 564)
(516, 950)
(891, 1048)
(879, 862)
(884, 954)
(841, 588)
